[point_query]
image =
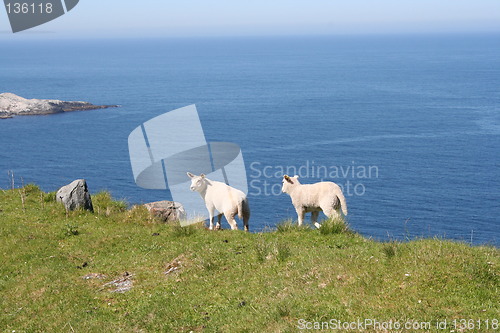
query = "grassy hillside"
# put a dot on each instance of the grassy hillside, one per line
(57, 272)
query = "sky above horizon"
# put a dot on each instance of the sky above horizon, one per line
(148, 18)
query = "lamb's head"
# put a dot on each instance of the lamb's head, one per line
(289, 183)
(198, 183)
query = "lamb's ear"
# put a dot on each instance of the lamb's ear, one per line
(202, 175)
(288, 179)
(190, 175)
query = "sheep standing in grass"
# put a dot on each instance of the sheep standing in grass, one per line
(221, 197)
(323, 196)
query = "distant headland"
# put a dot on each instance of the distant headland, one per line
(12, 105)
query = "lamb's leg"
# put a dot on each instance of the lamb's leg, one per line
(339, 212)
(211, 216)
(246, 214)
(330, 212)
(218, 226)
(245, 222)
(314, 219)
(300, 214)
(230, 219)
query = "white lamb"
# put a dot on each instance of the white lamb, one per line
(221, 197)
(323, 196)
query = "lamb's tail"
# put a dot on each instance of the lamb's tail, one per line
(343, 204)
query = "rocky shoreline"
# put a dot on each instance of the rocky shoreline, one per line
(12, 105)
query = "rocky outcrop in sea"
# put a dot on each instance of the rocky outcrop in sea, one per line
(13, 105)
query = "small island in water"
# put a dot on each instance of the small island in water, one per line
(13, 105)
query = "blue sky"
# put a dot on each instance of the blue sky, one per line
(156, 18)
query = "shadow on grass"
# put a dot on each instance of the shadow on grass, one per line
(390, 249)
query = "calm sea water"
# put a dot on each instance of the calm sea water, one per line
(417, 119)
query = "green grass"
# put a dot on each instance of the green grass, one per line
(222, 281)
(334, 226)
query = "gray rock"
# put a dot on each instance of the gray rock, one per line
(75, 195)
(166, 210)
(13, 105)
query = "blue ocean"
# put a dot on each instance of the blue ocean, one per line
(409, 126)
